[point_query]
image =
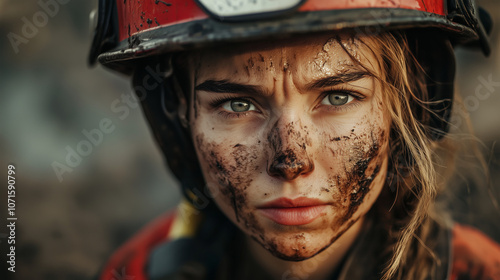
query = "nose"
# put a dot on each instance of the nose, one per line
(289, 166)
(289, 157)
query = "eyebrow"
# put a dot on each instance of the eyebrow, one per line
(338, 79)
(224, 86)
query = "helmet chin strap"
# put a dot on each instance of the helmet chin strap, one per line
(173, 101)
(166, 108)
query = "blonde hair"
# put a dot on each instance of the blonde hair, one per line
(406, 93)
(412, 173)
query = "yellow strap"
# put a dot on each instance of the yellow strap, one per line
(186, 222)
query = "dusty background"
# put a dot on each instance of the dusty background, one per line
(48, 95)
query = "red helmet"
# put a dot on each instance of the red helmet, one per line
(131, 34)
(135, 29)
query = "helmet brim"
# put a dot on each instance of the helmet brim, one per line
(209, 32)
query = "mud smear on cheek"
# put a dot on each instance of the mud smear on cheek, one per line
(233, 173)
(354, 185)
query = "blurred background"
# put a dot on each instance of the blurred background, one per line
(67, 228)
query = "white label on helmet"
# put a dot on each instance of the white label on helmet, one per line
(232, 8)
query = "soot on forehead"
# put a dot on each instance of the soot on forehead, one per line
(336, 56)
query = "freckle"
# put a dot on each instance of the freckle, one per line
(213, 128)
(265, 194)
(352, 130)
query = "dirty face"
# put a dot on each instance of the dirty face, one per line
(292, 138)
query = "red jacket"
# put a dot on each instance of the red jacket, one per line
(474, 255)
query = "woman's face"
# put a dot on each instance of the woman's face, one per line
(292, 138)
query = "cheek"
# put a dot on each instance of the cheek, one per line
(229, 170)
(354, 163)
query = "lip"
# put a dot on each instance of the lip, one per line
(293, 212)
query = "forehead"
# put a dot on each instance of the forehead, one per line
(305, 57)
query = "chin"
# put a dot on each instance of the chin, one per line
(290, 253)
(304, 242)
(295, 246)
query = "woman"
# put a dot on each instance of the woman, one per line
(301, 157)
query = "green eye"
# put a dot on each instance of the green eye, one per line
(238, 105)
(337, 99)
